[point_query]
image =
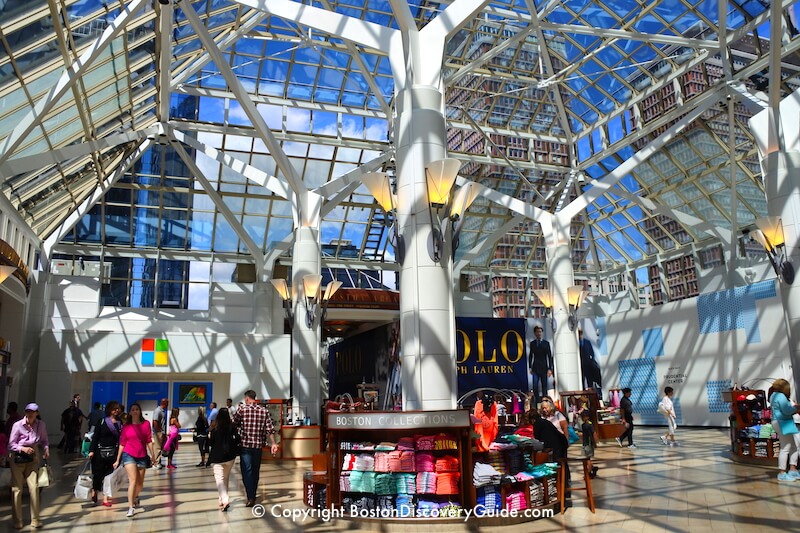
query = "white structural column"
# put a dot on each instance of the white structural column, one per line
(783, 200)
(306, 385)
(565, 341)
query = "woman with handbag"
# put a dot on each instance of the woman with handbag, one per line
(29, 446)
(103, 449)
(135, 440)
(201, 434)
(225, 447)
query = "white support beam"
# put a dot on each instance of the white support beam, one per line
(481, 60)
(70, 75)
(74, 217)
(295, 181)
(164, 55)
(516, 205)
(455, 15)
(354, 176)
(700, 104)
(348, 28)
(485, 244)
(250, 172)
(221, 206)
(194, 67)
(20, 165)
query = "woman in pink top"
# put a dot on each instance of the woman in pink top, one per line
(135, 441)
(173, 437)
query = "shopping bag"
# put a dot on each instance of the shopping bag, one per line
(115, 483)
(83, 486)
(85, 445)
(45, 475)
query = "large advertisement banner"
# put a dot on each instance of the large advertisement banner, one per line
(491, 353)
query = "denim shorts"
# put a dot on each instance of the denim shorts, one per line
(128, 459)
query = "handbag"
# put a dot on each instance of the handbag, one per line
(22, 457)
(83, 486)
(107, 452)
(45, 475)
(572, 435)
(115, 483)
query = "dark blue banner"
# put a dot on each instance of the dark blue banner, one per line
(490, 353)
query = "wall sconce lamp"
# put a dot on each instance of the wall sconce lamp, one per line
(379, 186)
(770, 235)
(312, 296)
(5, 271)
(286, 295)
(575, 297)
(440, 175)
(546, 297)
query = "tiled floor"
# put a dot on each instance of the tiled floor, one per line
(694, 488)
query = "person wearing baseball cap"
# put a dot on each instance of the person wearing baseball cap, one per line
(29, 444)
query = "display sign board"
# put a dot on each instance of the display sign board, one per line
(490, 352)
(399, 420)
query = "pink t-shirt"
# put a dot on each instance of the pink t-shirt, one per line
(134, 438)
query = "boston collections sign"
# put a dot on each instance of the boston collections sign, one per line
(399, 420)
(490, 352)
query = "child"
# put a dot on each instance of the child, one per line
(173, 437)
(589, 440)
(667, 409)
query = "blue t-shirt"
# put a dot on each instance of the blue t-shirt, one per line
(782, 411)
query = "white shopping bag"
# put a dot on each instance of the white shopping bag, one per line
(115, 483)
(83, 486)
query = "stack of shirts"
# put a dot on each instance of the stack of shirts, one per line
(515, 501)
(404, 505)
(483, 474)
(356, 446)
(515, 461)
(405, 443)
(362, 504)
(427, 507)
(488, 497)
(447, 482)
(543, 470)
(407, 463)
(362, 481)
(344, 482)
(364, 462)
(349, 461)
(426, 483)
(385, 502)
(537, 493)
(497, 460)
(450, 509)
(447, 463)
(394, 461)
(523, 476)
(766, 431)
(443, 441)
(424, 461)
(384, 484)
(405, 483)
(424, 442)
(382, 462)
(500, 446)
(552, 490)
(386, 446)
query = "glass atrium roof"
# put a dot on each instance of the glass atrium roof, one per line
(542, 100)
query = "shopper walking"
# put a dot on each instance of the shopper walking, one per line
(201, 432)
(29, 445)
(173, 437)
(104, 449)
(667, 408)
(135, 441)
(224, 450)
(626, 407)
(783, 410)
(254, 426)
(159, 426)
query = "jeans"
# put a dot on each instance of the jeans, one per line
(628, 433)
(250, 463)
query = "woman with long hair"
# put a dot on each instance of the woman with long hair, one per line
(201, 430)
(173, 437)
(104, 449)
(789, 437)
(224, 450)
(135, 441)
